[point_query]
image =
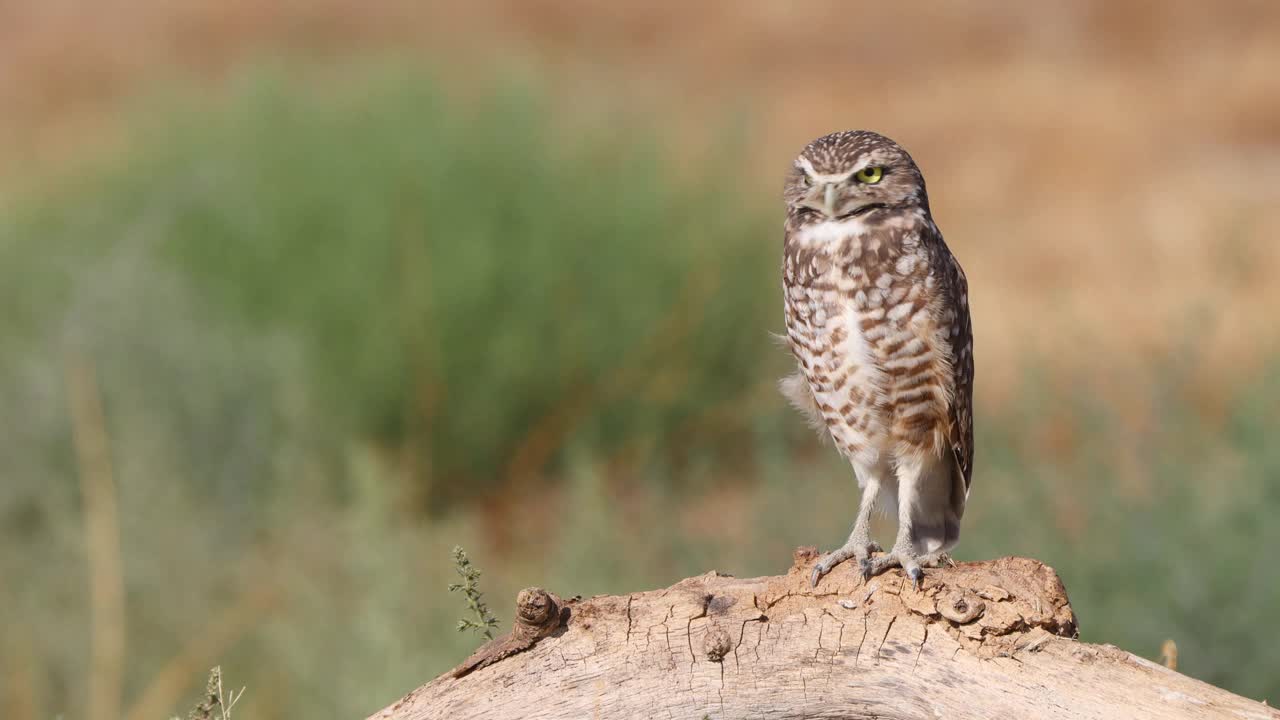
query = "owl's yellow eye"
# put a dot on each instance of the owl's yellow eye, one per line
(869, 175)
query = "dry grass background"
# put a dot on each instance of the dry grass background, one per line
(1108, 173)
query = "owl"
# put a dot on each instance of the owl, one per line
(877, 317)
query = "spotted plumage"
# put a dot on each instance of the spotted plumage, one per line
(877, 317)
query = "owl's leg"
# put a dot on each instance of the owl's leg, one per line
(903, 554)
(859, 545)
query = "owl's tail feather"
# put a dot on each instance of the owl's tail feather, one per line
(938, 508)
(939, 535)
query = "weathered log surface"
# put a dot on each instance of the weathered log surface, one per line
(979, 640)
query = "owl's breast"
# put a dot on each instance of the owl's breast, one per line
(906, 325)
(872, 344)
(828, 341)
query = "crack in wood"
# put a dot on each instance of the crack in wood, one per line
(831, 664)
(648, 633)
(839, 641)
(865, 629)
(768, 604)
(630, 600)
(688, 629)
(742, 631)
(822, 626)
(921, 650)
(886, 637)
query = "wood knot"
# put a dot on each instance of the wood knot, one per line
(534, 606)
(961, 606)
(716, 643)
(538, 614)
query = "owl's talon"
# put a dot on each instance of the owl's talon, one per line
(856, 549)
(917, 576)
(904, 559)
(825, 565)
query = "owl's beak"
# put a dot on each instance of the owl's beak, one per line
(823, 197)
(829, 193)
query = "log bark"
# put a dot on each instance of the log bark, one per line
(979, 640)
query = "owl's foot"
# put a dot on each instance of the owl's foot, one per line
(906, 559)
(857, 549)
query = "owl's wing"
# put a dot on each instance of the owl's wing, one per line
(961, 436)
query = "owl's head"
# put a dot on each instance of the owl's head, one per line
(853, 173)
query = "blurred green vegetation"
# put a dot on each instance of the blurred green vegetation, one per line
(338, 330)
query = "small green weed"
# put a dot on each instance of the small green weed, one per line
(481, 619)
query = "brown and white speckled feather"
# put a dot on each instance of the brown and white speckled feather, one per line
(961, 432)
(877, 317)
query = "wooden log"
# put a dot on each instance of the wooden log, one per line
(979, 640)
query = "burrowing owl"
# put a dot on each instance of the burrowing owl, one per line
(877, 316)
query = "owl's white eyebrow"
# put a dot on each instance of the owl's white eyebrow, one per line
(863, 165)
(802, 163)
